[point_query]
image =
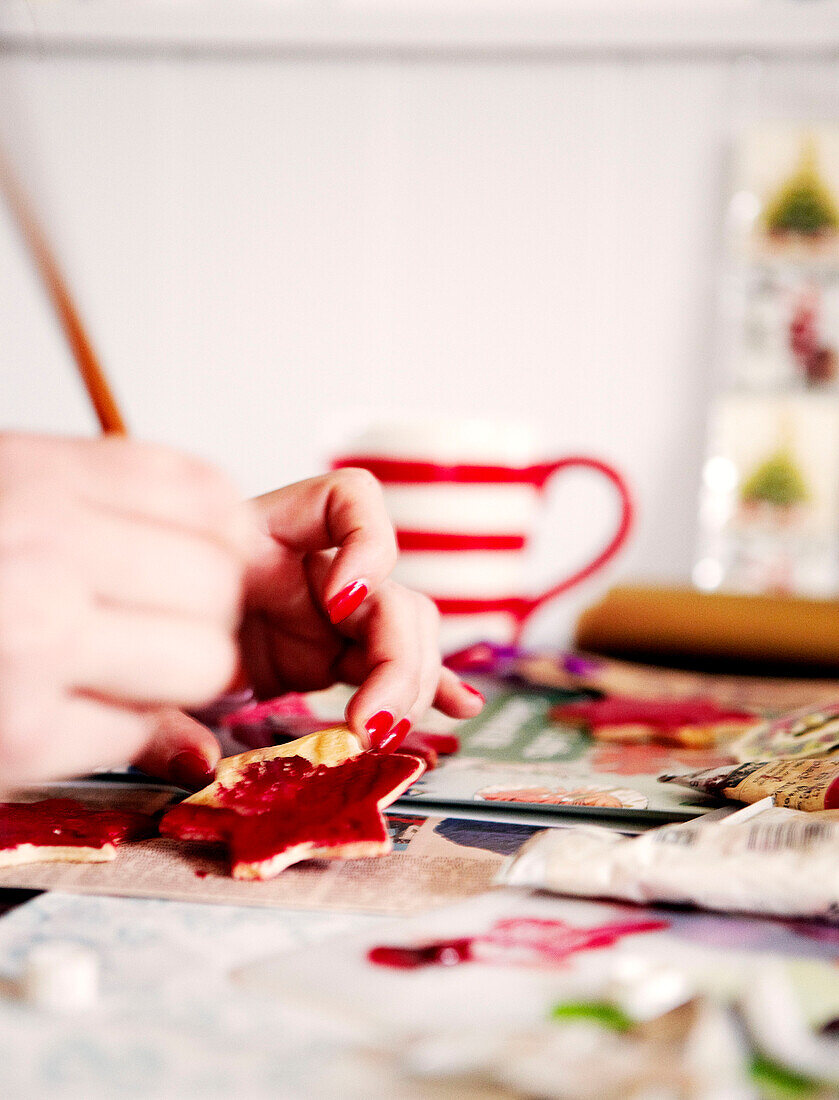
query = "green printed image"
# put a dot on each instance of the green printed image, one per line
(777, 481)
(515, 727)
(804, 204)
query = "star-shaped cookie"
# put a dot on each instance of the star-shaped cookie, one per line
(320, 797)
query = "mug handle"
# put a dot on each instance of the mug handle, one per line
(542, 473)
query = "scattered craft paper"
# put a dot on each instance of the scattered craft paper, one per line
(696, 722)
(319, 797)
(398, 1005)
(809, 731)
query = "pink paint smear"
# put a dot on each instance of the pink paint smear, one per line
(290, 705)
(518, 941)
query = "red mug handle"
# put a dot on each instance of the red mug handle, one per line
(542, 473)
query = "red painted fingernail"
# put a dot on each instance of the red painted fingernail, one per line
(190, 769)
(378, 727)
(347, 600)
(474, 691)
(391, 741)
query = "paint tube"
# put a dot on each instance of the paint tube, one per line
(809, 784)
(763, 859)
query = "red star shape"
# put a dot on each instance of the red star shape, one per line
(285, 810)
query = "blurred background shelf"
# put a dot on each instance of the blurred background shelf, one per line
(808, 27)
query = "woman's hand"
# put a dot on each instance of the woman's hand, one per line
(121, 574)
(133, 582)
(319, 608)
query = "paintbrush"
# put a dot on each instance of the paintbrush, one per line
(90, 369)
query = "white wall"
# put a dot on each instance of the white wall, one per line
(268, 250)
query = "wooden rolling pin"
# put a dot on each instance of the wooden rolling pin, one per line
(681, 625)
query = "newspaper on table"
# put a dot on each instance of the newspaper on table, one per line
(435, 861)
(764, 859)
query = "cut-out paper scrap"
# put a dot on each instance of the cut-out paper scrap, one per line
(64, 830)
(651, 758)
(429, 746)
(320, 797)
(691, 723)
(809, 731)
(613, 798)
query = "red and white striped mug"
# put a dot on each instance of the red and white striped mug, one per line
(464, 498)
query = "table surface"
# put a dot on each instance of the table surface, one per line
(169, 1021)
(172, 1021)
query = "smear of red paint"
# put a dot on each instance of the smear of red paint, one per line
(441, 953)
(291, 705)
(67, 823)
(522, 941)
(284, 810)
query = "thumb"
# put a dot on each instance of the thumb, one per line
(180, 750)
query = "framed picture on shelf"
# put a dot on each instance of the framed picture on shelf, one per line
(782, 288)
(769, 511)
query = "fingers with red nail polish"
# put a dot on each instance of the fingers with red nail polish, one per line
(378, 727)
(456, 697)
(190, 770)
(392, 740)
(405, 673)
(384, 735)
(474, 691)
(352, 624)
(180, 750)
(349, 599)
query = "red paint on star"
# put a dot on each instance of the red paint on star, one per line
(285, 810)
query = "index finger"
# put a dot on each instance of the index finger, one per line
(344, 510)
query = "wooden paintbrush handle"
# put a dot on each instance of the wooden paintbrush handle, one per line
(91, 372)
